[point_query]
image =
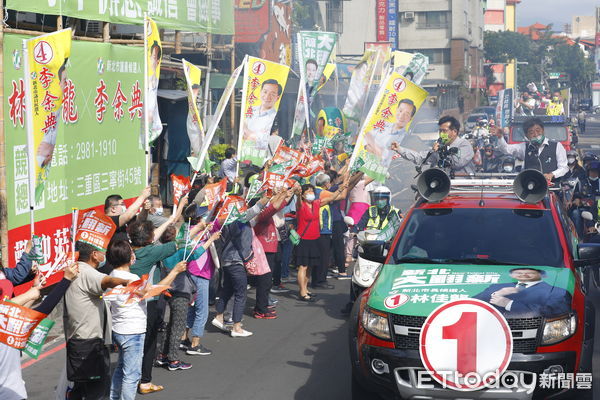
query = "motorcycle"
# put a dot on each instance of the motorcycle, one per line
(371, 256)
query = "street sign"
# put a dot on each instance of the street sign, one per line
(466, 344)
(558, 75)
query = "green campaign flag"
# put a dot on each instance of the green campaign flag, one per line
(36, 340)
(391, 228)
(182, 235)
(320, 143)
(211, 16)
(254, 191)
(234, 215)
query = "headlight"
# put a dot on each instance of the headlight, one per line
(559, 329)
(376, 323)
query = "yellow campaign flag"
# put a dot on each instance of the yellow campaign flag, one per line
(153, 60)
(46, 79)
(395, 105)
(264, 82)
(195, 129)
(401, 58)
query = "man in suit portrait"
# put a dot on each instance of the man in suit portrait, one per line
(528, 296)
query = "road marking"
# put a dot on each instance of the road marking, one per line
(397, 193)
(44, 355)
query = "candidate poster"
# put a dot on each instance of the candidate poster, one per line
(153, 61)
(195, 130)
(360, 84)
(96, 153)
(264, 82)
(395, 105)
(46, 77)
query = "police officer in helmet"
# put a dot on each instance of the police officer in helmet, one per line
(378, 215)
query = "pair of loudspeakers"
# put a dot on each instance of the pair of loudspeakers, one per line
(530, 186)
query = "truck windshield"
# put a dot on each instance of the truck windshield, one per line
(481, 236)
(552, 132)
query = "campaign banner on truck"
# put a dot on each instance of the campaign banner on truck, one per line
(418, 289)
(96, 152)
(48, 98)
(264, 82)
(212, 16)
(395, 105)
(195, 130)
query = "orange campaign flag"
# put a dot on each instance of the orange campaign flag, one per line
(214, 193)
(17, 323)
(95, 229)
(230, 202)
(181, 186)
(284, 154)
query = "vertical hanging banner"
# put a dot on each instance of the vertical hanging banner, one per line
(392, 23)
(45, 75)
(381, 22)
(195, 130)
(396, 103)
(153, 61)
(96, 153)
(504, 107)
(264, 82)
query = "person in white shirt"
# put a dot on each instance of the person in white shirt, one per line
(129, 322)
(548, 157)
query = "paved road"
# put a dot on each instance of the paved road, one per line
(301, 355)
(590, 140)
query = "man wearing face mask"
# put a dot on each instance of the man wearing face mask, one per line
(155, 211)
(592, 183)
(526, 105)
(459, 160)
(508, 165)
(114, 207)
(555, 107)
(548, 157)
(378, 215)
(86, 318)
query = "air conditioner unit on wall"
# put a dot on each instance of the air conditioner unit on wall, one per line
(409, 15)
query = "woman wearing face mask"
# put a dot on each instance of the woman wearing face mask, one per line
(307, 252)
(576, 171)
(129, 322)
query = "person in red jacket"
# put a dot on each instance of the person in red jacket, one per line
(307, 213)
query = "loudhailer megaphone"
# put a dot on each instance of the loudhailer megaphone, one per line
(433, 185)
(530, 186)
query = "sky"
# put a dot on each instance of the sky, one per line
(558, 12)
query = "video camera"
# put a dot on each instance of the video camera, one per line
(444, 161)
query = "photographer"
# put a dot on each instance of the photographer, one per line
(449, 151)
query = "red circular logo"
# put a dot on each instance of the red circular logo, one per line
(399, 84)
(42, 52)
(466, 344)
(259, 68)
(396, 300)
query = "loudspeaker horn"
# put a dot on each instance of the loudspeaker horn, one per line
(530, 186)
(433, 185)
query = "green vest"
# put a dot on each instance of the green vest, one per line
(374, 220)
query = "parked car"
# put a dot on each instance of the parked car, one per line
(472, 121)
(488, 110)
(427, 131)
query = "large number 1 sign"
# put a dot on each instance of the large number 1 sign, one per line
(465, 344)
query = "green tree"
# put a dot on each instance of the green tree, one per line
(502, 47)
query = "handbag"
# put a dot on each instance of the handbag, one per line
(295, 238)
(87, 360)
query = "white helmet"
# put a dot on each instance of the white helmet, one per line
(381, 193)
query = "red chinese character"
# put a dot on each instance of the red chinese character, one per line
(69, 111)
(48, 101)
(100, 101)
(386, 113)
(252, 98)
(118, 102)
(136, 101)
(249, 112)
(254, 83)
(379, 125)
(49, 123)
(17, 103)
(392, 99)
(45, 77)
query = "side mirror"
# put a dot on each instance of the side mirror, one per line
(588, 254)
(587, 216)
